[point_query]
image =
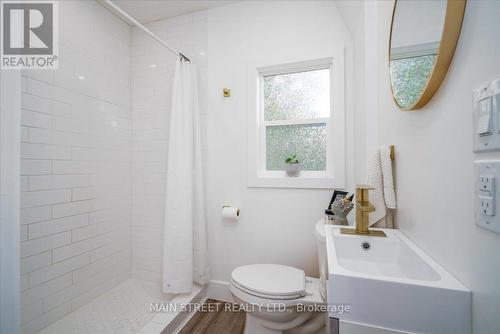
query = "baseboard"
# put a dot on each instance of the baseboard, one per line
(219, 290)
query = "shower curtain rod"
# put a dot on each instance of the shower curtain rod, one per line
(146, 30)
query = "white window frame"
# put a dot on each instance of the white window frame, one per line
(335, 174)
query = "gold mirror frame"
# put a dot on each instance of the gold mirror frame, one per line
(454, 16)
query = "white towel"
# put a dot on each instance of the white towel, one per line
(387, 174)
(380, 178)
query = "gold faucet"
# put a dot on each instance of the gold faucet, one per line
(363, 209)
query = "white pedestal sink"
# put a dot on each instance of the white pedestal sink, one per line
(391, 284)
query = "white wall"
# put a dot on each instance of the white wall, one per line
(152, 77)
(276, 225)
(76, 167)
(358, 17)
(434, 161)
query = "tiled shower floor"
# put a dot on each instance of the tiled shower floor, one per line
(122, 310)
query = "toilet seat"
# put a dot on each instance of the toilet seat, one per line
(261, 295)
(313, 295)
(270, 281)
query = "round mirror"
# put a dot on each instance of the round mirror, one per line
(424, 34)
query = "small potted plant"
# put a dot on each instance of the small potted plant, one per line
(292, 165)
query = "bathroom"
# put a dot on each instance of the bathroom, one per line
(94, 150)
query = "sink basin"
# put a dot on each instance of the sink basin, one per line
(390, 283)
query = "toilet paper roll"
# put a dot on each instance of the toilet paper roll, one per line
(229, 212)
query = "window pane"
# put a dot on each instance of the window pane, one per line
(293, 96)
(308, 141)
(409, 77)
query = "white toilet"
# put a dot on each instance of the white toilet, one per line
(281, 299)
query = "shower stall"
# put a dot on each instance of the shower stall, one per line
(92, 137)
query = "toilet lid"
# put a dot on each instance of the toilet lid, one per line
(271, 280)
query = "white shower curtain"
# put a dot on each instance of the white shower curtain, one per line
(185, 257)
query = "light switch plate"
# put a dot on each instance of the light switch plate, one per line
(487, 117)
(486, 194)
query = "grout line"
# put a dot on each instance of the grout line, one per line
(54, 85)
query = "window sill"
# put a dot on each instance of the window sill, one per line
(279, 179)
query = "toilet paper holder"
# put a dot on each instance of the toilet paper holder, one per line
(228, 206)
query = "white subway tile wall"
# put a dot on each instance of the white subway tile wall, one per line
(76, 168)
(93, 158)
(152, 78)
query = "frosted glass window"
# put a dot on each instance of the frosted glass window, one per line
(295, 117)
(303, 95)
(307, 141)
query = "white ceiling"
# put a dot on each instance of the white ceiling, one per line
(152, 10)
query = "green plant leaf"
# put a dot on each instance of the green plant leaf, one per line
(292, 159)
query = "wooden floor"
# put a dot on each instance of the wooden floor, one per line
(216, 318)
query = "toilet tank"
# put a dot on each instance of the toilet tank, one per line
(319, 232)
